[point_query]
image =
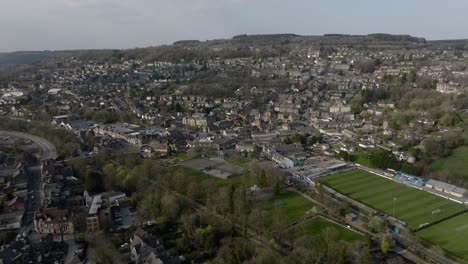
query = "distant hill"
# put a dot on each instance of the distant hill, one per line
(267, 38)
(450, 42)
(186, 42)
(237, 46)
(389, 37)
(23, 57)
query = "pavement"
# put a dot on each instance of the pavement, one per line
(72, 247)
(48, 149)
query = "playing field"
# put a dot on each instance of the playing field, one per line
(412, 206)
(316, 226)
(451, 235)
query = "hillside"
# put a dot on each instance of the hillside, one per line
(238, 46)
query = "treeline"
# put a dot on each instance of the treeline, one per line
(442, 146)
(389, 37)
(177, 53)
(382, 159)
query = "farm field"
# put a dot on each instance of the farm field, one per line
(316, 226)
(454, 165)
(412, 206)
(451, 235)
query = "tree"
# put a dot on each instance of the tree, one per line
(93, 182)
(170, 206)
(205, 238)
(262, 180)
(178, 108)
(288, 140)
(376, 224)
(314, 139)
(384, 244)
(296, 138)
(276, 188)
(234, 250)
(345, 156)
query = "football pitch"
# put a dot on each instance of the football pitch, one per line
(451, 235)
(410, 205)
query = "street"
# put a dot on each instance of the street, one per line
(48, 149)
(33, 202)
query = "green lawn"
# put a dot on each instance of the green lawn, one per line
(294, 204)
(412, 206)
(454, 165)
(239, 161)
(201, 176)
(451, 235)
(183, 157)
(316, 226)
(247, 179)
(362, 158)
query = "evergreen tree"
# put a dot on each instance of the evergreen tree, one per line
(384, 244)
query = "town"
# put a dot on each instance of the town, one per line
(261, 148)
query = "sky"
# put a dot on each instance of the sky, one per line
(112, 24)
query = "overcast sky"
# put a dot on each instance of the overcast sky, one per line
(89, 24)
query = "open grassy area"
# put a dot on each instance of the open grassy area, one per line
(454, 165)
(183, 157)
(295, 205)
(412, 206)
(316, 226)
(247, 179)
(201, 176)
(363, 159)
(451, 235)
(239, 161)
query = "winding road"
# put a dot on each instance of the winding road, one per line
(48, 149)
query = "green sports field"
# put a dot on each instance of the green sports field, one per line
(451, 235)
(316, 226)
(412, 206)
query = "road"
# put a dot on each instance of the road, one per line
(48, 149)
(33, 201)
(34, 176)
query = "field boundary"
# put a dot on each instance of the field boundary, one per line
(363, 205)
(376, 172)
(327, 218)
(398, 222)
(440, 220)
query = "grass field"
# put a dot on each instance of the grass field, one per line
(294, 204)
(316, 226)
(454, 165)
(239, 161)
(183, 157)
(451, 235)
(363, 159)
(412, 206)
(246, 179)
